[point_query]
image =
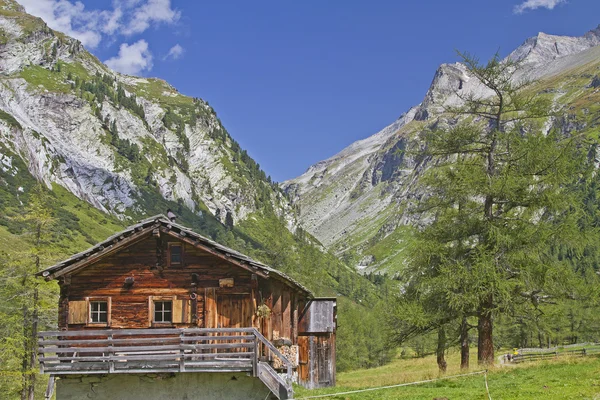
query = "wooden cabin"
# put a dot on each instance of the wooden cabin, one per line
(159, 297)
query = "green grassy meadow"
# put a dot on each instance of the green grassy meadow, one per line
(564, 378)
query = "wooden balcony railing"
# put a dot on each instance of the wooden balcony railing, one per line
(114, 351)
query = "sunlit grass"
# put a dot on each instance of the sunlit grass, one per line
(565, 378)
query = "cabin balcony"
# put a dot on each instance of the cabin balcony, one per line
(185, 350)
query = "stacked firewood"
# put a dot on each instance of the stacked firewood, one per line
(289, 352)
(287, 349)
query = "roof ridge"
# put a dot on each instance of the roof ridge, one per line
(164, 220)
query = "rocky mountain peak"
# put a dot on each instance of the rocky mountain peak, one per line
(544, 48)
(116, 140)
(11, 5)
(354, 201)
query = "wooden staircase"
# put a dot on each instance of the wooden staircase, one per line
(278, 386)
(281, 388)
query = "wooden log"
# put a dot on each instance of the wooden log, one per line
(103, 253)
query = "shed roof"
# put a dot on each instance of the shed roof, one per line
(119, 239)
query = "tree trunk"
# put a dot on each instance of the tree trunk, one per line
(485, 339)
(25, 359)
(441, 349)
(33, 345)
(464, 344)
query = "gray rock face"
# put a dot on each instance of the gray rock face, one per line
(64, 134)
(356, 198)
(544, 48)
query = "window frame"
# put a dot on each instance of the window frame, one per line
(152, 309)
(107, 300)
(170, 263)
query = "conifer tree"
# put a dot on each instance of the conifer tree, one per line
(499, 198)
(25, 306)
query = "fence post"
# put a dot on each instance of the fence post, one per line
(111, 362)
(181, 351)
(255, 356)
(41, 354)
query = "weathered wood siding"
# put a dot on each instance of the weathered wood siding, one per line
(207, 290)
(318, 316)
(199, 302)
(316, 330)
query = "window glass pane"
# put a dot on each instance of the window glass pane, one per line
(162, 311)
(103, 317)
(176, 254)
(99, 311)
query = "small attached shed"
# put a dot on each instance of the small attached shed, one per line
(157, 279)
(316, 343)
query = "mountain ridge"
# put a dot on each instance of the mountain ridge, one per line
(72, 121)
(352, 204)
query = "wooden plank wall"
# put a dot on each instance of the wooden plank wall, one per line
(283, 322)
(130, 304)
(145, 261)
(317, 339)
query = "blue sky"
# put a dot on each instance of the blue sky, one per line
(294, 82)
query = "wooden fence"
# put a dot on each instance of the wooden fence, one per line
(111, 351)
(544, 354)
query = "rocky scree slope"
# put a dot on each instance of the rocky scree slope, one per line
(118, 142)
(353, 202)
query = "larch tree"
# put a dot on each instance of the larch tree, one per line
(28, 303)
(498, 198)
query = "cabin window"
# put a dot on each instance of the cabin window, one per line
(163, 311)
(98, 312)
(175, 255)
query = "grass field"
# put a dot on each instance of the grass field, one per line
(565, 378)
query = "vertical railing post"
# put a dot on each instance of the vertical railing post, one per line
(40, 353)
(255, 355)
(111, 362)
(289, 374)
(181, 351)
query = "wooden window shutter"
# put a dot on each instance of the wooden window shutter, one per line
(177, 311)
(78, 312)
(150, 311)
(181, 311)
(210, 308)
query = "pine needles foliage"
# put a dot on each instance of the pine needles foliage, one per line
(503, 193)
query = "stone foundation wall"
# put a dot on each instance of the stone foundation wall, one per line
(180, 386)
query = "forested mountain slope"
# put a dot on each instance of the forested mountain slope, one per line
(110, 149)
(354, 202)
(110, 138)
(85, 151)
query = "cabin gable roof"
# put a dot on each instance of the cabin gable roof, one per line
(162, 224)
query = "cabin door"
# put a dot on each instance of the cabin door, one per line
(227, 310)
(234, 311)
(324, 360)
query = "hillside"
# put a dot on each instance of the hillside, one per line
(110, 138)
(86, 151)
(354, 202)
(110, 149)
